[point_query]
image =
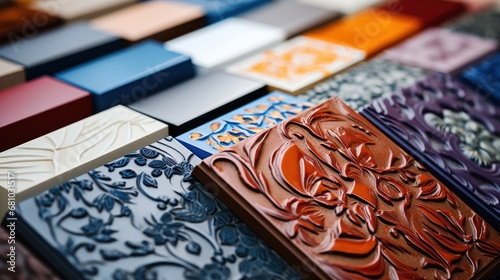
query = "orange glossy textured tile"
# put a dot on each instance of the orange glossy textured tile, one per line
(18, 22)
(371, 30)
(340, 200)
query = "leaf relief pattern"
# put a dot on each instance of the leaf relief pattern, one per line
(354, 202)
(144, 216)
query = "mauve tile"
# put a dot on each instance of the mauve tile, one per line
(454, 132)
(335, 195)
(441, 50)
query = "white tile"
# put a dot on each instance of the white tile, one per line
(11, 74)
(52, 159)
(343, 6)
(226, 41)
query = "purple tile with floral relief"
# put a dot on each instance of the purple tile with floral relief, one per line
(441, 50)
(454, 132)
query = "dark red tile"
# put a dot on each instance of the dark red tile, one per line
(430, 12)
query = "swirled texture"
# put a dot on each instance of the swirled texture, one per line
(454, 131)
(353, 202)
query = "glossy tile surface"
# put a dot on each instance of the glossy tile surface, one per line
(198, 100)
(58, 49)
(130, 74)
(67, 152)
(361, 85)
(293, 17)
(371, 30)
(11, 74)
(484, 77)
(297, 63)
(332, 192)
(152, 20)
(346, 7)
(236, 126)
(454, 132)
(226, 41)
(144, 215)
(441, 50)
(37, 107)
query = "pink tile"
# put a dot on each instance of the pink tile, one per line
(441, 50)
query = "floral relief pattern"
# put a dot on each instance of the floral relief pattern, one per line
(353, 202)
(476, 141)
(363, 84)
(454, 131)
(144, 216)
(226, 132)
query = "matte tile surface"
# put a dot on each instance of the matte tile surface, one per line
(484, 24)
(226, 41)
(476, 5)
(485, 77)
(454, 132)
(330, 191)
(441, 50)
(371, 30)
(372, 80)
(346, 7)
(236, 126)
(297, 63)
(11, 74)
(60, 48)
(152, 20)
(56, 157)
(148, 217)
(38, 107)
(221, 9)
(293, 17)
(430, 12)
(130, 74)
(196, 101)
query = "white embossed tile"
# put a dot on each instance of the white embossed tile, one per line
(52, 159)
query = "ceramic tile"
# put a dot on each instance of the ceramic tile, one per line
(143, 215)
(74, 149)
(454, 132)
(236, 126)
(333, 193)
(441, 50)
(484, 77)
(297, 63)
(198, 100)
(11, 74)
(345, 7)
(482, 24)
(152, 20)
(75, 9)
(37, 107)
(58, 49)
(372, 80)
(371, 30)
(295, 18)
(128, 75)
(227, 41)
